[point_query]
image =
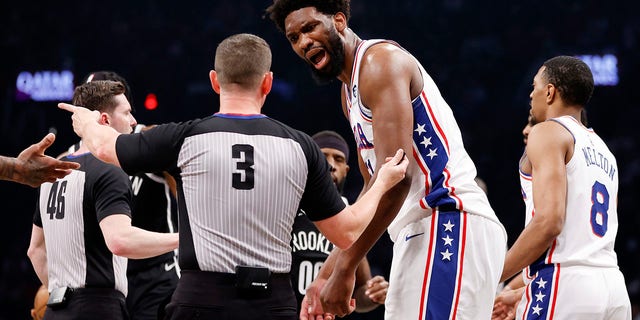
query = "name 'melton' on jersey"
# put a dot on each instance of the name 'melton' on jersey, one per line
(591, 221)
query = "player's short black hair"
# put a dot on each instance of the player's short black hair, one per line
(572, 77)
(280, 9)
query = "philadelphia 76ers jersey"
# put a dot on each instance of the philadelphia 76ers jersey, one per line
(526, 187)
(591, 221)
(443, 173)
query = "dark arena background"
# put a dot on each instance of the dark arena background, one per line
(482, 54)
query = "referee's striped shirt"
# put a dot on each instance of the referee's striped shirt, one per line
(241, 180)
(69, 211)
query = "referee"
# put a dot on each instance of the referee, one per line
(82, 232)
(241, 178)
(152, 280)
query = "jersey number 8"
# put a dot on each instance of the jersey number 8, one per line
(599, 209)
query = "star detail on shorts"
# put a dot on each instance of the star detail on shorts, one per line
(540, 296)
(541, 283)
(449, 226)
(420, 129)
(447, 241)
(446, 255)
(432, 153)
(536, 309)
(426, 141)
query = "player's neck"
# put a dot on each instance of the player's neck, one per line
(573, 111)
(351, 43)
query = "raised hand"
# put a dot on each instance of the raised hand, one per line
(32, 167)
(81, 117)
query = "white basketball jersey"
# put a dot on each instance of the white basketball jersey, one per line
(443, 174)
(526, 187)
(591, 222)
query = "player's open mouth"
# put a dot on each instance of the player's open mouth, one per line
(317, 57)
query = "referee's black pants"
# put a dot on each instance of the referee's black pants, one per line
(213, 295)
(90, 304)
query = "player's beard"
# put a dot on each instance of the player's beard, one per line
(340, 186)
(336, 61)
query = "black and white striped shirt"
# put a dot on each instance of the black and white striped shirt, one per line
(69, 211)
(241, 180)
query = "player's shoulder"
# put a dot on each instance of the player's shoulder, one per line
(550, 129)
(94, 167)
(547, 136)
(385, 60)
(385, 52)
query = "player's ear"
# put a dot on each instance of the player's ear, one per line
(340, 21)
(215, 84)
(551, 93)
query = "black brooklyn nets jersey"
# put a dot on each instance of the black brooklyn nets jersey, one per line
(151, 210)
(69, 210)
(309, 251)
(241, 180)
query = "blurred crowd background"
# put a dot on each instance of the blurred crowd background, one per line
(483, 56)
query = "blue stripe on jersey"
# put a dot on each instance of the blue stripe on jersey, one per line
(541, 262)
(444, 269)
(239, 116)
(540, 293)
(432, 156)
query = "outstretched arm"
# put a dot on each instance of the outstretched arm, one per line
(32, 167)
(128, 241)
(547, 148)
(344, 228)
(101, 140)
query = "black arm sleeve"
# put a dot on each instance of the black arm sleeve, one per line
(112, 193)
(153, 150)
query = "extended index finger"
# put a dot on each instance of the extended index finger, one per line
(66, 106)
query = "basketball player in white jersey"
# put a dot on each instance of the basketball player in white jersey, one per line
(566, 248)
(449, 245)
